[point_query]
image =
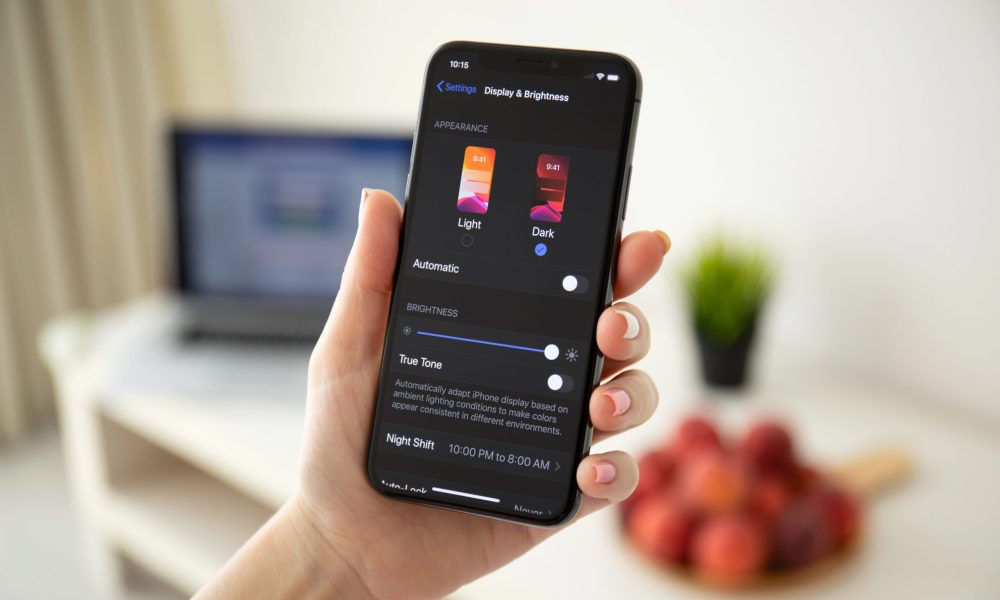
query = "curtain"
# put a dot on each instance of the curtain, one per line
(86, 88)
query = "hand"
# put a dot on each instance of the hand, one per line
(362, 542)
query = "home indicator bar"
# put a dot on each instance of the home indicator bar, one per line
(465, 494)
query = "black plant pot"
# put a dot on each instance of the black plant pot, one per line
(724, 364)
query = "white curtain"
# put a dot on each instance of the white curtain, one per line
(86, 87)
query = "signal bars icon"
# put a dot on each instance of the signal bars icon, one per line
(601, 76)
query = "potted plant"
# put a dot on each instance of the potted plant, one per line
(727, 283)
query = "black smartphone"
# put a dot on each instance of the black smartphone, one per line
(513, 215)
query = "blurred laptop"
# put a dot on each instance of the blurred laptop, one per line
(265, 219)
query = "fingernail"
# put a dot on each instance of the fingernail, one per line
(364, 196)
(621, 401)
(665, 239)
(631, 324)
(604, 472)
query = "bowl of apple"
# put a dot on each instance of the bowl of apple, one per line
(749, 511)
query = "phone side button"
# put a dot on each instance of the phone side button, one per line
(628, 184)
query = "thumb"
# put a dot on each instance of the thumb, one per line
(354, 332)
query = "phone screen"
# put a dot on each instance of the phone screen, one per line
(513, 212)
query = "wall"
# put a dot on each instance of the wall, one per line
(85, 87)
(861, 138)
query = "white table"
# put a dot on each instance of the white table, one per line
(173, 477)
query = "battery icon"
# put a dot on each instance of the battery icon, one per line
(612, 76)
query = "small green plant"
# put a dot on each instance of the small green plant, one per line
(727, 283)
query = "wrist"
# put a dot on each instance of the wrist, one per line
(289, 557)
(331, 568)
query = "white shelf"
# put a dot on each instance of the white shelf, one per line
(180, 524)
(249, 443)
(176, 454)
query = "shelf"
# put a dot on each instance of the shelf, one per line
(251, 444)
(179, 524)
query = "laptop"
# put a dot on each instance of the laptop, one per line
(265, 219)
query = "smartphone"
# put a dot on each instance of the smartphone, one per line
(513, 215)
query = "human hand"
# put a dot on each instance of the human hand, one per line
(364, 543)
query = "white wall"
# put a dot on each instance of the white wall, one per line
(861, 137)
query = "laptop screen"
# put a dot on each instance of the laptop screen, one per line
(272, 215)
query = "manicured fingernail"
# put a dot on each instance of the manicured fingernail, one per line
(665, 239)
(604, 472)
(364, 196)
(621, 401)
(631, 324)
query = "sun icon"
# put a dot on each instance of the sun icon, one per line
(407, 330)
(571, 355)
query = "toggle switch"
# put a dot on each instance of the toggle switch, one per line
(559, 383)
(575, 284)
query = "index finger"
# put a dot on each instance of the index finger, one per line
(639, 258)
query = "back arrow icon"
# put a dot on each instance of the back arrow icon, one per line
(440, 83)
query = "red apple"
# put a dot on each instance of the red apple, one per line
(730, 549)
(806, 480)
(769, 497)
(667, 460)
(695, 434)
(661, 526)
(843, 514)
(715, 482)
(769, 445)
(802, 533)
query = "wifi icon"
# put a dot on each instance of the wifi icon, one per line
(600, 76)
